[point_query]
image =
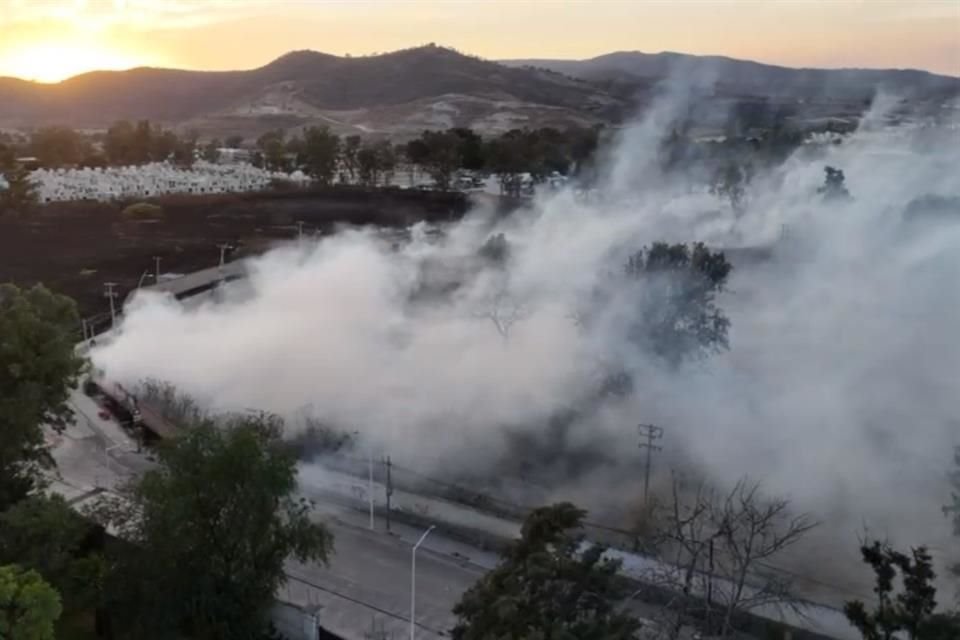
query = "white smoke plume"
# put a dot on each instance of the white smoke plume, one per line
(839, 389)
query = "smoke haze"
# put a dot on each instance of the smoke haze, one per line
(839, 389)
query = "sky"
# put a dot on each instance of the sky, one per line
(48, 40)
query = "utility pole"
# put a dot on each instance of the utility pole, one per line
(156, 270)
(389, 490)
(224, 247)
(300, 230)
(650, 433)
(111, 294)
(83, 326)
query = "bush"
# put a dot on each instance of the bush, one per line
(143, 211)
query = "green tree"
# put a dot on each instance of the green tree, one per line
(163, 146)
(20, 193)
(350, 156)
(321, 150)
(29, 607)
(673, 291)
(909, 612)
(38, 366)
(507, 158)
(271, 145)
(210, 530)
(58, 146)
(547, 587)
(46, 535)
(471, 149)
(376, 163)
(8, 157)
(442, 156)
(234, 142)
(118, 144)
(184, 154)
(211, 151)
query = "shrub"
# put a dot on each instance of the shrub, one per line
(143, 211)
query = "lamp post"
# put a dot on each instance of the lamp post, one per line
(143, 277)
(369, 478)
(413, 581)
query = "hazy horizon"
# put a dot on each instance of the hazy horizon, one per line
(469, 53)
(55, 40)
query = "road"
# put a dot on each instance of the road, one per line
(366, 585)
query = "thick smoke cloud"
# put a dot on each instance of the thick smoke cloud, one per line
(839, 389)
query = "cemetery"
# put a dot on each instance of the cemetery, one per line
(151, 180)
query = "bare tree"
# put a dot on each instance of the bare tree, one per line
(716, 549)
(504, 311)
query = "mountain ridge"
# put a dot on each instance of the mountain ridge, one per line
(402, 92)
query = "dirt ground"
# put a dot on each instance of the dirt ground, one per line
(74, 248)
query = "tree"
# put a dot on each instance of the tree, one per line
(46, 535)
(8, 157)
(730, 181)
(118, 144)
(211, 151)
(321, 149)
(714, 543)
(471, 149)
(58, 146)
(271, 145)
(910, 612)
(184, 154)
(38, 366)
(509, 157)
(673, 292)
(163, 146)
(442, 156)
(834, 187)
(210, 530)
(376, 163)
(349, 156)
(29, 607)
(547, 587)
(19, 194)
(234, 142)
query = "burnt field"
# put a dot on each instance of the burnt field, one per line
(74, 248)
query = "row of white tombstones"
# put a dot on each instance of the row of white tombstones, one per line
(111, 183)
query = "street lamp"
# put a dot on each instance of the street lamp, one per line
(369, 478)
(144, 276)
(413, 581)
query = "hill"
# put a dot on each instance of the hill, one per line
(394, 93)
(631, 71)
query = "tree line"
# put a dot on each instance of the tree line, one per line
(322, 154)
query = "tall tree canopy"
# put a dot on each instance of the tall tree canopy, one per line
(321, 151)
(38, 366)
(548, 587)
(45, 534)
(210, 530)
(29, 607)
(673, 291)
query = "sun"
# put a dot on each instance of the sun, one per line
(53, 62)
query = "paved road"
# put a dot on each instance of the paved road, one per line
(367, 582)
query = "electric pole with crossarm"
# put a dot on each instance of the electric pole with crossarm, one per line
(650, 433)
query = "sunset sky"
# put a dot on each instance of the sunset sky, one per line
(48, 40)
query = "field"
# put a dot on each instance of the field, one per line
(74, 248)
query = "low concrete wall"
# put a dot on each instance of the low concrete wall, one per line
(293, 622)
